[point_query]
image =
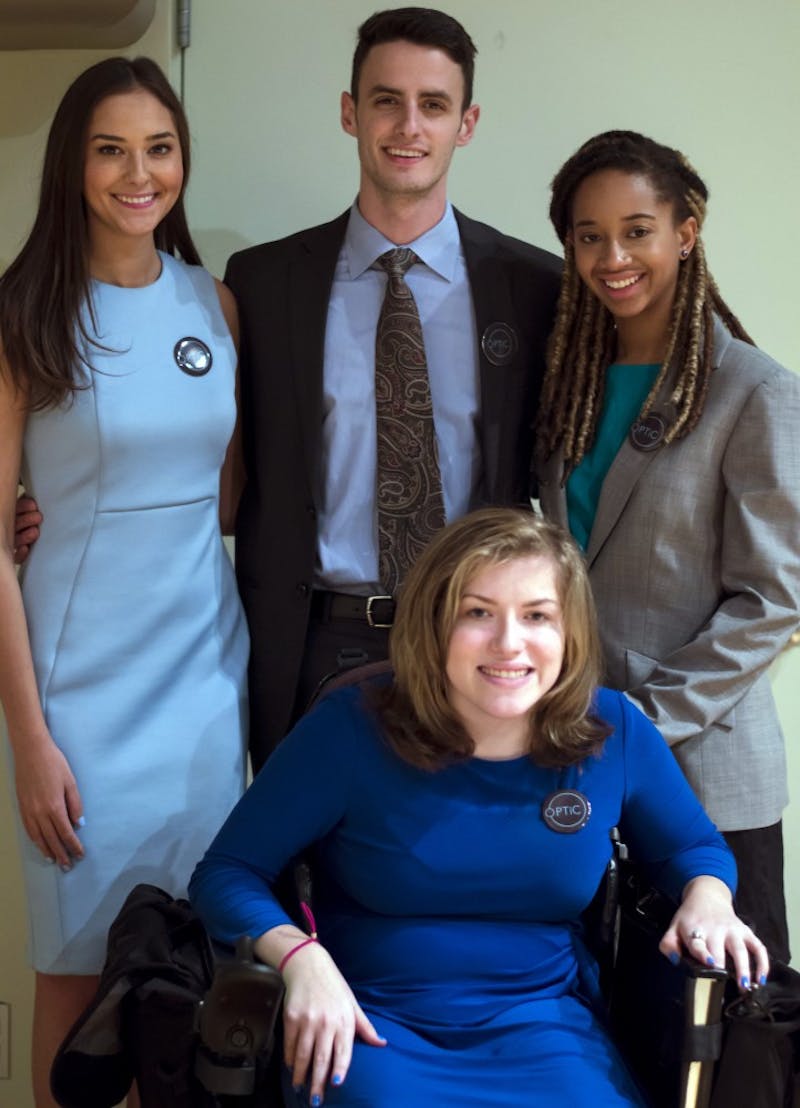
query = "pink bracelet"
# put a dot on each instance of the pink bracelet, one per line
(294, 950)
(313, 928)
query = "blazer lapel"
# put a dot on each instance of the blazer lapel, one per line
(494, 317)
(620, 481)
(311, 272)
(625, 472)
(631, 462)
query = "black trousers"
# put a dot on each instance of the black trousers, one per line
(759, 898)
(333, 645)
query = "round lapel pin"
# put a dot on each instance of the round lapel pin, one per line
(499, 343)
(648, 434)
(566, 811)
(193, 356)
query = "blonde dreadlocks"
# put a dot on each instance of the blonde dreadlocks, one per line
(583, 339)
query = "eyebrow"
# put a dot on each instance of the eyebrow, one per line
(120, 138)
(438, 94)
(625, 219)
(526, 603)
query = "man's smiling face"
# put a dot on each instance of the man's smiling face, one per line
(408, 120)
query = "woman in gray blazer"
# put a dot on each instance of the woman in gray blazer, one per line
(669, 445)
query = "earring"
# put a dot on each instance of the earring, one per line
(684, 253)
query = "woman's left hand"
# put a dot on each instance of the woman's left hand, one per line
(706, 927)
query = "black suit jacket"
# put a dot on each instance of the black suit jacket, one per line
(283, 289)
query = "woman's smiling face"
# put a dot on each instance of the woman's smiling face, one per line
(133, 168)
(505, 652)
(628, 246)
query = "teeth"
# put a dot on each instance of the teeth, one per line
(398, 153)
(496, 672)
(136, 199)
(622, 284)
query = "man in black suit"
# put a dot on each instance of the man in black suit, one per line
(306, 548)
(309, 305)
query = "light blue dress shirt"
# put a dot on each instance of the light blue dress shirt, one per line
(348, 542)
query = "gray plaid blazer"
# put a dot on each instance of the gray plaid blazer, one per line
(694, 559)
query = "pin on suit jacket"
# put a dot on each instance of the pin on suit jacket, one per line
(283, 289)
(694, 559)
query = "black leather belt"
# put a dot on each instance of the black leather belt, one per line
(375, 611)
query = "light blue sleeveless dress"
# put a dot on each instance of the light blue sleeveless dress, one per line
(138, 637)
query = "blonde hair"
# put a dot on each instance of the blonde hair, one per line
(415, 711)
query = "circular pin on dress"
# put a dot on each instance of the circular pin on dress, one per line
(499, 343)
(648, 434)
(566, 811)
(192, 356)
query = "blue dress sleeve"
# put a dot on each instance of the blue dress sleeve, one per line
(662, 821)
(296, 799)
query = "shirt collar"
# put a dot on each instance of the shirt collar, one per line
(439, 248)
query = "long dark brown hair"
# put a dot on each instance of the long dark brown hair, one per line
(582, 343)
(43, 335)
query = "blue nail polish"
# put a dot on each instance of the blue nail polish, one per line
(316, 1100)
(337, 1079)
(674, 958)
(710, 961)
(762, 979)
(80, 822)
(745, 982)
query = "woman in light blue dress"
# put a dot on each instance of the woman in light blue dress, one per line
(123, 653)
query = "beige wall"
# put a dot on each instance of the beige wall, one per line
(263, 80)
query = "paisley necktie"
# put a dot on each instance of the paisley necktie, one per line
(409, 484)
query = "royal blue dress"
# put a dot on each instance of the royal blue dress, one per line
(137, 634)
(450, 906)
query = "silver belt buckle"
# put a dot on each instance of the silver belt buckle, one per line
(370, 601)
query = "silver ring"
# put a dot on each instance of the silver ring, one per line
(697, 934)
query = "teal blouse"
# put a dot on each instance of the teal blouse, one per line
(625, 392)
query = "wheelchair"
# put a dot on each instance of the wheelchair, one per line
(206, 1038)
(197, 1026)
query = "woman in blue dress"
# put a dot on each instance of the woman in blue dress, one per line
(123, 653)
(459, 818)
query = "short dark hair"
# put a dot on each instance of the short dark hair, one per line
(423, 27)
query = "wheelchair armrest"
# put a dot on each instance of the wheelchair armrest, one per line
(236, 1021)
(666, 1018)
